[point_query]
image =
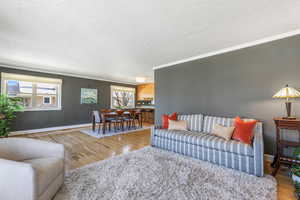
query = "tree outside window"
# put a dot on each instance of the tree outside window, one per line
(122, 97)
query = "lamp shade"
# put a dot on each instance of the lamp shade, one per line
(287, 92)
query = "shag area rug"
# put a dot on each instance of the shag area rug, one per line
(97, 134)
(154, 174)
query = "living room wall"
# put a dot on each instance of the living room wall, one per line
(72, 112)
(240, 83)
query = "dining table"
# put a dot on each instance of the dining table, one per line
(113, 114)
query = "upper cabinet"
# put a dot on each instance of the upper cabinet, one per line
(145, 91)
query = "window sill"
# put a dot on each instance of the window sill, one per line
(42, 109)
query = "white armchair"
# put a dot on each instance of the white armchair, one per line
(30, 169)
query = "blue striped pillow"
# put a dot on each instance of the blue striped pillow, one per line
(194, 121)
(209, 122)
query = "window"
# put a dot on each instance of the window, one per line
(37, 93)
(122, 97)
(47, 100)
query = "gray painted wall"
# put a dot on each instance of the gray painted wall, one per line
(72, 111)
(235, 83)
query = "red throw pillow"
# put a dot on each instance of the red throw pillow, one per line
(243, 131)
(166, 118)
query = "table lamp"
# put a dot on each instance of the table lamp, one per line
(287, 93)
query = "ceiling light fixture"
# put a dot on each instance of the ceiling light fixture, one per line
(140, 79)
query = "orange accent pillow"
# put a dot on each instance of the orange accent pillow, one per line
(243, 131)
(166, 118)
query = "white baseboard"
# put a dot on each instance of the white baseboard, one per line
(269, 157)
(48, 129)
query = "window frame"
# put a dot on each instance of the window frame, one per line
(34, 80)
(131, 89)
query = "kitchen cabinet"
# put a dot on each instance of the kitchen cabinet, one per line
(148, 115)
(145, 91)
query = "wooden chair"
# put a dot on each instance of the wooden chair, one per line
(119, 120)
(105, 110)
(127, 119)
(134, 117)
(96, 120)
(139, 117)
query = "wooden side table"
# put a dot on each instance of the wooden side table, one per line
(290, 124)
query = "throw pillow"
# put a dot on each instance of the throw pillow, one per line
(243, 131)
(165, 119)
(222, 131)
(180, 125)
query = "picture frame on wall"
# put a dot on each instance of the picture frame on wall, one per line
(88, 96)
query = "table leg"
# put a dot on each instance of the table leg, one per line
(104, 127)
(277, 148)
(299, 136)
(277, 164)
(93, 123)
(278, 154)
(276, 169)
(273, 164)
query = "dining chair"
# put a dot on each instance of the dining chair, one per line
(139, 117)
(127, 119)
(105, 110)
(134, 117)
(118, 121)
(108, 120)
(96, 120)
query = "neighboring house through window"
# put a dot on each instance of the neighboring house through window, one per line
(47, 100)
(122, 97)
(36, 93)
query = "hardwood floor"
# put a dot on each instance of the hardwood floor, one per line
(82, 149)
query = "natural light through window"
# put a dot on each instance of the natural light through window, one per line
(37, 93)
(122, 97)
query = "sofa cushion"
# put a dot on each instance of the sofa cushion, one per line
(206, 140)
(209, 121)
(223, 131)
(194, 121)
(47, 169)
(165, 119)
(178, 125)
(243, 131)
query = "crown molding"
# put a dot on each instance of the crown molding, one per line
(21, 67)
(229, 49)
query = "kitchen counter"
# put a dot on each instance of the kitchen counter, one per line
(147, 113)
(145, 107)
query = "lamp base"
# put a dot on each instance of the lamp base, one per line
(289, 118)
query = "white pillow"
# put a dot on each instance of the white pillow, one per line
(180, 125)
(222, 131)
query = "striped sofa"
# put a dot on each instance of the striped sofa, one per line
(199, 142)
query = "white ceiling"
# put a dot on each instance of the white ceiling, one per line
(120, 40)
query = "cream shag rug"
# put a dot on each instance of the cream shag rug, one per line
(154, 174)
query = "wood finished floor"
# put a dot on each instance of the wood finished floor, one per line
(82, 149)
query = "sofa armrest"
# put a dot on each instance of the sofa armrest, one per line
(17, 181)
(258, 147)
(153, 128)
(19, 149)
